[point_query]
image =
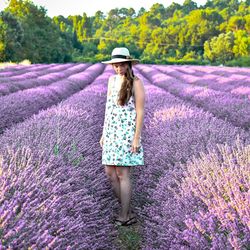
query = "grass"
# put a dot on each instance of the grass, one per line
(129, 237)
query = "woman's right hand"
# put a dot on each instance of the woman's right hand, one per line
(101, 141)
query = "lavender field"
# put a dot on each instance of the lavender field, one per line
(192, 193)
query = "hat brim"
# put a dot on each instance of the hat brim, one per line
(117, 60)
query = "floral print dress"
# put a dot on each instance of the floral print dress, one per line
(119, 129)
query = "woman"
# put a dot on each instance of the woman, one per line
(121, 137)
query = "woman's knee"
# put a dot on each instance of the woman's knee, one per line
(111, 172)
(123, 172)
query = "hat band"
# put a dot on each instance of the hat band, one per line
(121, 56)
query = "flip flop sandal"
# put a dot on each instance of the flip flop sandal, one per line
(115, 215)
(126, 223)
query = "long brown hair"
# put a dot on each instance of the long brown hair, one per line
(127, 85)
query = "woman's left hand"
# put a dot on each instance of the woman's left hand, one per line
(135, 145)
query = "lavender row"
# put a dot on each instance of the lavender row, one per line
(221, 70)
(223, 105)
(53, 73)
(16, 71)
(203, 204)
(12, 70)
(224, 71)
(218, 81)
(19, 106)
(30, 75)
(42, 78)
(60, 200)
(238, 85)
(173, 133)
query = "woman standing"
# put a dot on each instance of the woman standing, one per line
(121, 137)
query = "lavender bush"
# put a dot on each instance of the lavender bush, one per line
(58, 197)
(223, 105)
(41, 78)
(241, 91)
(56, 76)
(174, 133)
(191, 193)
(222, 71)
(206, 69)
(16, 72)
(13, 70)
(213, 81)
(203, 204)
(21, 105)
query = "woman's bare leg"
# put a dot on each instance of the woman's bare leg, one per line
(115, 182)
(123, 174)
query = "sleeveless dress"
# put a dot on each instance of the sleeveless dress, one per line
(119, 129)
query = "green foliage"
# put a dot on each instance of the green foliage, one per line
(215, 33)
(188, 6)
(33, 35)
(241, 62)
(236, 23)
(129, 238)
(241, 43)
(220, 48)
(11, 36)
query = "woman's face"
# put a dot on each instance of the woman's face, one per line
(120, 68)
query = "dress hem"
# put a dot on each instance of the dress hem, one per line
(119, 165)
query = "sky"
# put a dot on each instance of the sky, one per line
(78, 7)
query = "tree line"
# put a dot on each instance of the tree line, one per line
(214, 33)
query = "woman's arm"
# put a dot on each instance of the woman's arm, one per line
(139, 92)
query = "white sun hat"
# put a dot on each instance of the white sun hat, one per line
(121, 55)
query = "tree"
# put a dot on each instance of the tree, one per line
(11, 37)
(234, 5)
(157, 48)
(171, 9)
(104, 48)
(2, 40)
(141, 12)
(247, 23)
(124, 13)
(97, 21)
(236, 23)
(216, 4)
(241, 43)
(178, 31)
(220, 48)
(156, 14)
(83, 28)
(42, 39)
(201, 26)
(112, 20)
(188, 6)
